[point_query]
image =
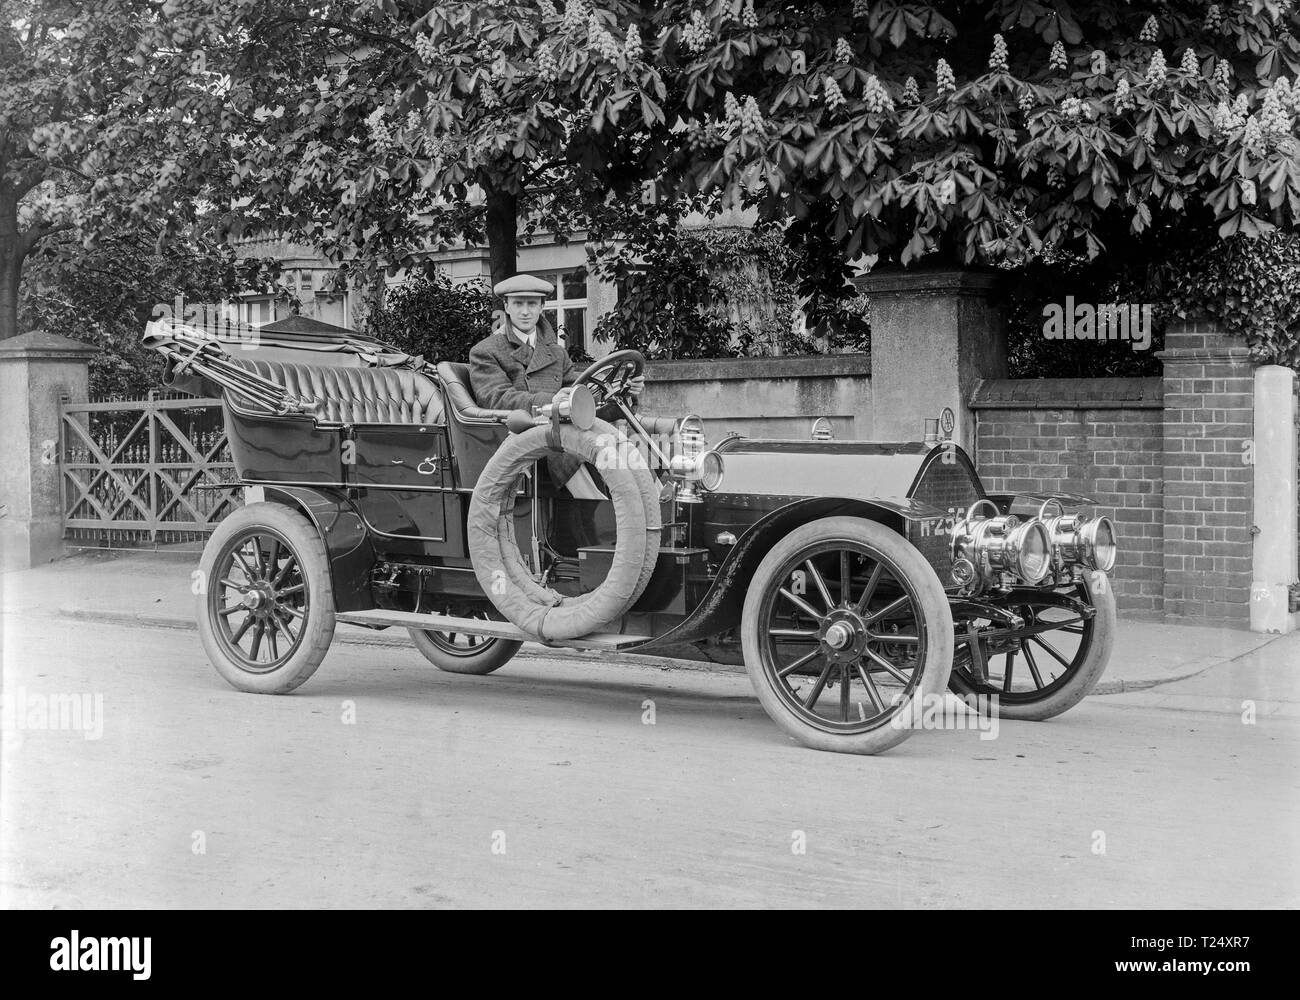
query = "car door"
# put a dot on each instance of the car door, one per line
(402, 474)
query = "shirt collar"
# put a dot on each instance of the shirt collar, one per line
(521, 337)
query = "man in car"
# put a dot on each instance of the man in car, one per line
(521, 364)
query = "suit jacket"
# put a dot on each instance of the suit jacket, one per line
(505, 377)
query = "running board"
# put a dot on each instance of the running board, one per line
(479, 626)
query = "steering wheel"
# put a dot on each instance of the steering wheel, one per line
(610, 375)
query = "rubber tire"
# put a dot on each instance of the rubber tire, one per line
(521, 577)
(934, 604)
(540, 612)
(498, 654)
(1085, 678)
(319, 623)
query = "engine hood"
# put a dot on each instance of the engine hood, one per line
(863, 470)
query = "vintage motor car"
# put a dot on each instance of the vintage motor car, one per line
(855, 580)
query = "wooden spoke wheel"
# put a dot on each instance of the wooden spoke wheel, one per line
(464, 652)
(265, 612)
(845, 626)
(1045, 667)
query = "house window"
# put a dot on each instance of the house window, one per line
(567, 312)
(255, 312)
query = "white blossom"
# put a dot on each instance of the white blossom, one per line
(696, 35)
(834, 96)
(632, 44)
(875, 97)
(944, 80)
(1156, 70)
(1123, 95)
(998, 60)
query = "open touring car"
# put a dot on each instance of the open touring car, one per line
(853, 579)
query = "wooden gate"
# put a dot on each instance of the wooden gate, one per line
(139, 472)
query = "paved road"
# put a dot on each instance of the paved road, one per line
(542, 785)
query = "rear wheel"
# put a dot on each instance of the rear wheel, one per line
(464, 652)
(846, 630)
(266, 610)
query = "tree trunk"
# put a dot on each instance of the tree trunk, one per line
(11, 264)
(502, 226)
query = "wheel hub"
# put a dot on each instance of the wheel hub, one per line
(843, 636)
(259, 599)
(839, 635)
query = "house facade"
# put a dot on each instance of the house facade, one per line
(309, 288)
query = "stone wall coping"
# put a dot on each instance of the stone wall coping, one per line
(42, 346)
(928, 281)
(1068, 394)
(725, 369)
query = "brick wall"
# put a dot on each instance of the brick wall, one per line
(1099, 437)
(1166, 458)
(1208, 387)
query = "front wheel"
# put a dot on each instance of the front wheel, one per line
(266, 607)
(1047, 666)
(846, 633)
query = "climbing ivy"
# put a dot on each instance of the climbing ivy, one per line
(1251, 286)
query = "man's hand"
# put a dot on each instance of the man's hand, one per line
(562, 396)
(636, 386)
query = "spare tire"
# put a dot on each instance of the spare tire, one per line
(616, 452)
(498, 564)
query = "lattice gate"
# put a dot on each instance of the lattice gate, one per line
(139, 472)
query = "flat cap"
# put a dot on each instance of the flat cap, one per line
(524, 284)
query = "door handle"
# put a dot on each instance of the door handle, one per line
(431, 462)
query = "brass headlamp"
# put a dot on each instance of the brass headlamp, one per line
(1080, 539)
(693, 463)
(983, 547)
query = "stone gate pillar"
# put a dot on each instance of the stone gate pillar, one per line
(36, 369)
(1274, 556)
(934, 335)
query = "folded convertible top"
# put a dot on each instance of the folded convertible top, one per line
(197, 354)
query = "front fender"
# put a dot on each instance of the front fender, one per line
(351, 556)
(721, 605)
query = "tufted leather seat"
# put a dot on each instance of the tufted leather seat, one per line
(357, 395)
(455, 379)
